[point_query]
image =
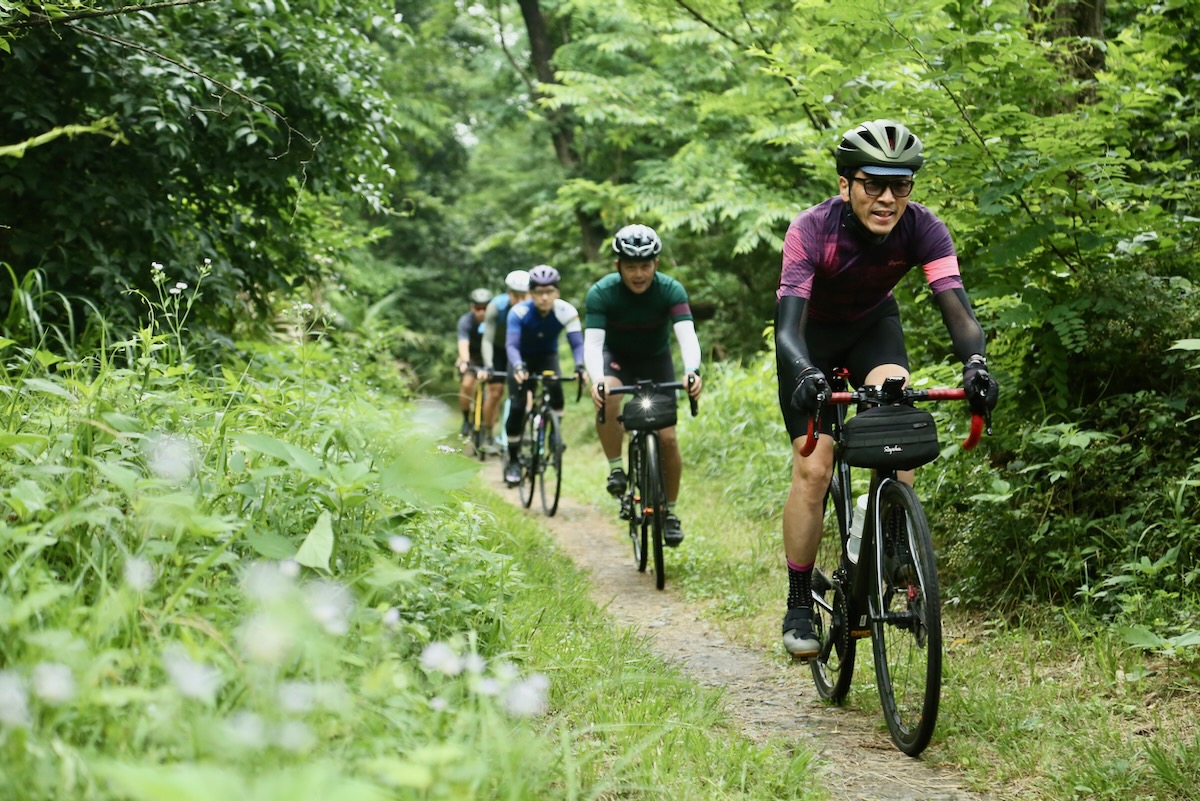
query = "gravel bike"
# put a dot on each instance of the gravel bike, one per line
(644, 504)
(478, 437)
(542, 446)
(886, 586)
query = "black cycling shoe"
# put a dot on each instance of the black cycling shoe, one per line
(672, 531)
(512, 474)
(798, 637)
(617, 482)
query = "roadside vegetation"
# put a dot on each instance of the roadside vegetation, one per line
(256, 579)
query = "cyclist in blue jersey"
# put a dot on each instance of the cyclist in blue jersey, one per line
(532, 345)
(470, 353)
(495, 360)
(841, 260)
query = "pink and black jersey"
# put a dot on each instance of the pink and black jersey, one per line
(844, 278)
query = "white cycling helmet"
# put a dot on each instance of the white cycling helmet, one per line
(517, 280)
(636, 243)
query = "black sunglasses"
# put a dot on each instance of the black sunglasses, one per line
(874, 187)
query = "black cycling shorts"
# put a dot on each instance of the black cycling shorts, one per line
(860, 347)
(658, 368)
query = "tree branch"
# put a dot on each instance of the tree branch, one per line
(37, 19)
(508, 54)
(966, 117)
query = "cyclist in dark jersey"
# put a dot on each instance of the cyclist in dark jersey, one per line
(841, 260)
(495, 359)
(630, 316)
(532, 343)
(470, 353)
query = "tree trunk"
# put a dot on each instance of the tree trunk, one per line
(1083, 19)
(561, 131)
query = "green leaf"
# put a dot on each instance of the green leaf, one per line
(318, 545)
(271, 545)
(294, 456)
(1140, 637)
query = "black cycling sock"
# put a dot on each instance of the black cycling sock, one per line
(799, 587)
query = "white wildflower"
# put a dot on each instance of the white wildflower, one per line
(172, 459)
(53, 682)
(181, 285)
(400, 544)
(14, 704)
(192, 679)
(266, 582)
(439, 704)
(247, 730)
(391, 618)
(440, 657)
(139, 573)
(175, 290)
(289, 568)
(330, 604)
(296, 737)
(487, 686)
(528, 698)
(474, 663)
(266, 639)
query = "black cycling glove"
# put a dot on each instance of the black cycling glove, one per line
(982, 390)
(811, 384)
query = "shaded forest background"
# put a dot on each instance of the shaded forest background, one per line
(378, 160)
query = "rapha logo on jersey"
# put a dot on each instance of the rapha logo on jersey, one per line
(893, 449)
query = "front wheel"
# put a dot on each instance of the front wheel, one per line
(530, 458)
(833, 666)
(654, 501)
(551, 473)
(631, 505)
(906, 620)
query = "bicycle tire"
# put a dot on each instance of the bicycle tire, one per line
(833, 667)
(654, 500)
(906, 621)
(530, 449)
(550, 475)
(633, 502)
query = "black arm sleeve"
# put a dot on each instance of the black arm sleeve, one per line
(965, 331)
(791, 351)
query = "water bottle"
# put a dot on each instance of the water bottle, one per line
(856, 527)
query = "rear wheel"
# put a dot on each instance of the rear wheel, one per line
(631, 505)
(654, 500)
(551, 464)
(530, 461)
(833, 667)
(906, 620)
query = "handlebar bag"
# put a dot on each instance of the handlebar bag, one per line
(650, 412)
(890, 437)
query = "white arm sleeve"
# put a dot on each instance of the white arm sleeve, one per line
(689, 344)
(489, 335)
(593, 352)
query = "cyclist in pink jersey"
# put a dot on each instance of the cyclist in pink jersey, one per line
(841, 260)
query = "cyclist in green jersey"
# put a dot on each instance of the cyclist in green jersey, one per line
(630, 316)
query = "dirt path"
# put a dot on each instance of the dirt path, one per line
(764, 696)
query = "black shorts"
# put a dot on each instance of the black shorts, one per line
(658, 368)
(860, 347)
